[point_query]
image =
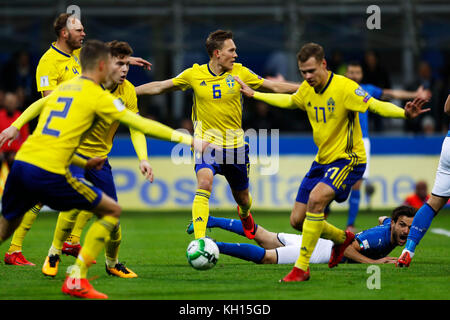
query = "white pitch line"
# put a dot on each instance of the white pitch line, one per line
(441, 231)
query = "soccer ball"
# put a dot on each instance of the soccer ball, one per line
(202, 254)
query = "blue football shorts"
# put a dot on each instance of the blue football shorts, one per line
(233, 164)
(28, 185)
(340, 175)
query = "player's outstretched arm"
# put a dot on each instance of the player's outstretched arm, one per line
(406, 95)
(280, 100)
(156, 87)
(137, 61)
(386, 109)
(160, 131)
(279, 86)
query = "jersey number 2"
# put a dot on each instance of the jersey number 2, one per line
(59, 114)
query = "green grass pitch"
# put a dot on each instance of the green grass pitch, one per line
(154, 245)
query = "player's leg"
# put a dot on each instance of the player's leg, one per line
(353, 205)
(200, 206)
(72, 242)
(108, 213)
(17, 199)
(290, 251)
(421, 223)
(14, 254)
(439, 197)
(64, 225)
(314, 225)
(244, 201)
(237, 170)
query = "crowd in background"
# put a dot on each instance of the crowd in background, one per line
(18, 90)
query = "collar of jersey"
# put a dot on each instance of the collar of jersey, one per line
(328, 83)
(215, 75)
(59, 51)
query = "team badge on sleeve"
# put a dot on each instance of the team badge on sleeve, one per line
(44, 81)
(360, 92)
(119, 104)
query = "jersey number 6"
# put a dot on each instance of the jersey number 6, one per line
(216, 91)
(59, 114)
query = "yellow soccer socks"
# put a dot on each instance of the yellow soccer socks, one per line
(332, 233)
(94, 242)
(82, 219)
(112, 247)
(200, 212)
(64, 226)
(24, 227)
(312, 229)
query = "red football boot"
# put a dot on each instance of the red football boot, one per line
(404, 260)
(17, 259)
(296, 275)
(338, 250)
(81, 288)
(248, 225)
(72, 250)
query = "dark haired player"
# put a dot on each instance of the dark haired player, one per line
(217, 117)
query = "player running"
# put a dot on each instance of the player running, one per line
(354, 72)
(369, 246)
(40, 172)
(333, 104)
(61, 62)
(439, 197)
(217, 117)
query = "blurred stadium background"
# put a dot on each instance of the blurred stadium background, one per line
(412, 48)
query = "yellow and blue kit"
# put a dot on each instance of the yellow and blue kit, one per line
(334, 117)
(55, 67)
(217, 118)
(40, 172)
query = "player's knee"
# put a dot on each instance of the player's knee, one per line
(269, 257)
(296, 223)
(205, 184)
(115, 210)
(316, 203)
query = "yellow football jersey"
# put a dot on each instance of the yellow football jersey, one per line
(70, 111)
(99, 141)
(217, 106)
(334, 116)
(55, 67)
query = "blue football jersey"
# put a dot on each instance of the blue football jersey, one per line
(375, 92)
(375, 242)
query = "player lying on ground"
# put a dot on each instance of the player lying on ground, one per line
(40, 172)
(354, 72)
(332, 103)
(369, 246)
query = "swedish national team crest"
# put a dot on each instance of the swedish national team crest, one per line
(330, 105)
(230, 81)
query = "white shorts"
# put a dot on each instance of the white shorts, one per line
(442, 182)
(367, 147)
(291, 250)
